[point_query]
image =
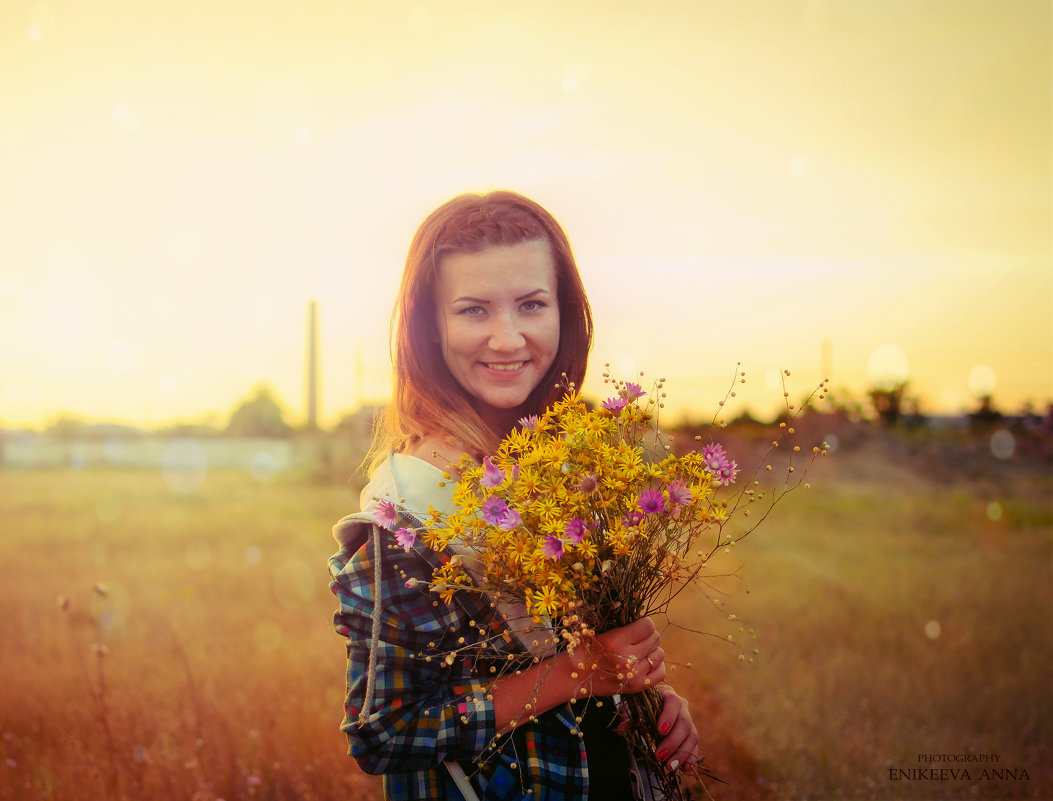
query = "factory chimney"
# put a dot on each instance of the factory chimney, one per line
(312, 365)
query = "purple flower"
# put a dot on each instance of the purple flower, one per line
(651, 502)
(614, 405)
(679, 493)
(386, 514)
(633, 391)
(552, 547)
(575, 530)
(405, 537)
(588, 484)
(492, 474)
(728, 472)
(511, 520)
(717, 463)
(528, 423)
(632, 518)
(494, 510)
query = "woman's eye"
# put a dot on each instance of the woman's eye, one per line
(472, 311)
(532, 305)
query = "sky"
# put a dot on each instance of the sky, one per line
(851, 189)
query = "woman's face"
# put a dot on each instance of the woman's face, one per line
(498, 317)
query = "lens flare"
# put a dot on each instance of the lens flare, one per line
(888, 366)
(982, 381)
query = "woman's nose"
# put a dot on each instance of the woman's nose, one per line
(505, 335)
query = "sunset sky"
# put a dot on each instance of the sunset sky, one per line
(856, 187)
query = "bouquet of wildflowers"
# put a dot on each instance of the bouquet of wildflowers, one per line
(586, 520)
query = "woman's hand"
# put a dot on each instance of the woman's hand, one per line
(679, 747)
(624, 660)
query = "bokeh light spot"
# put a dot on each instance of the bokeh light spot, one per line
(184, 465)
(263, 467)
(994, 511)
(1003, 444)
(887, 366)
(625, 368)
(110, 607)
(982, 381)
(253, 555)
(113, 450)
(831, 442)
(797, 166)
(933, 629)
(35, 32)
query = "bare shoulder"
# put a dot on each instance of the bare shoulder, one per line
(443, 452)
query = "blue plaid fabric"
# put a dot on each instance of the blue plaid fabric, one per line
(425, 710)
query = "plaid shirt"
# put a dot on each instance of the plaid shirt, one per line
(426, 711)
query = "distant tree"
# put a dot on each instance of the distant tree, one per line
(841, 402)
(66, 426)
(194, 430)
(259, 415)
(887, 402)
(986, 415)
(744, 418)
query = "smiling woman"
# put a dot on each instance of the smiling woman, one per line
(491, 323)
(472, 262)
(499, 325)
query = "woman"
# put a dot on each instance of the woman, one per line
(490, 315)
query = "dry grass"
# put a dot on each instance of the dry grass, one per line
(223, 679)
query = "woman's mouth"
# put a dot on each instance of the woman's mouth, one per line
(504, 366)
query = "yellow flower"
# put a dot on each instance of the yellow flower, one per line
(544, 601)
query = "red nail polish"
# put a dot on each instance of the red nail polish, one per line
(661, 755)
(664, 728)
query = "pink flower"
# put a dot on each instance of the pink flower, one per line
(632, 518)
(511, 520)
(405, 537)
(492, 474)
(633, 391)
(494, 510)
(575, 530)
(528, 423)
(589, 483)
(386, 514)
(717, 463)
(728, 472)
(651, 502)
(679, 493)
(552, 547)
(614, 405)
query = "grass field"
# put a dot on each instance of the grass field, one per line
(178, 646)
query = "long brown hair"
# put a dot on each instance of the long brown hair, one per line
(427, 399)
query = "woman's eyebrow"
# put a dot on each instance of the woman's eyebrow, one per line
(470, 299)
